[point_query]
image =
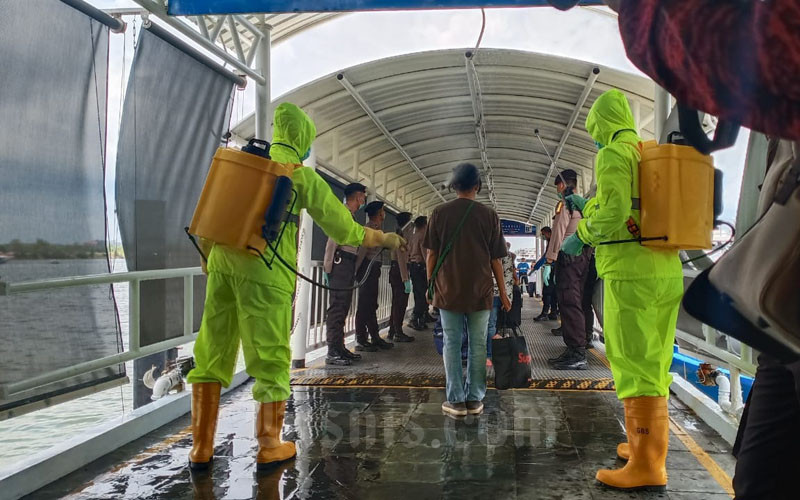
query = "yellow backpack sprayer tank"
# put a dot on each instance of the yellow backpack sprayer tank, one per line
(244, 199)
(677, 187)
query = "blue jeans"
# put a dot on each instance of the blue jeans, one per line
(475, 387)
(492, 329)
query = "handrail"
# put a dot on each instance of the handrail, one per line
(96, 279)
(314, 337)
(135, 350)
(743, 361)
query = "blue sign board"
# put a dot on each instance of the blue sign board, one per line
(513, 228)
(199, 7)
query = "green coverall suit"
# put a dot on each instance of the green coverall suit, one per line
(643, 285)
(246, 300)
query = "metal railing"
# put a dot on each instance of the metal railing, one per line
(315, 336)
(743, 361)
(134, 350)
(319, 300)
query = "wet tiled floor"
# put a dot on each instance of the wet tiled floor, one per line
(388, 443)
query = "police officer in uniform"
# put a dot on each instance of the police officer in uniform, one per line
(367, 313)
(340, 269)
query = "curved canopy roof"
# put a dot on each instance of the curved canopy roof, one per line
(401, 124)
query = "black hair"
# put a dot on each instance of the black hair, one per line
(373, 208)
(546, 228)
(465, 177)
(420, 221)
(402, 219)
(568, 177)
(353, 188)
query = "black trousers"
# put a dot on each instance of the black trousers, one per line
(419, 280)
(367, 310)
(588, 293)
(550, 300)
(399, 299)
(768, 444)
(341, 276)
(570, 279)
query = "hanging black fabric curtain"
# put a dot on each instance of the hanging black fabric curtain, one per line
(54, 62)
(174, 116)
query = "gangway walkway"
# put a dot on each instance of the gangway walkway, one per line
(365, 442)
(418, 364)
(394, 443)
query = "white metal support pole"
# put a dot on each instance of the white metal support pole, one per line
(133, 316)
(636, 109)
(661, 112)
(302, 303)
(263, 97)
(587, 89)
(188, 305)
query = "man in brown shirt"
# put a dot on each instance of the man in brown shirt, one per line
(463, 286)
(419, 277)
(367, 312)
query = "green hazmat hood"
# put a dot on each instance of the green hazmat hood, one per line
(610, 113)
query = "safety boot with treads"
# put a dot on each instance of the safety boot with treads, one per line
(271, 450)
(647, 427)
(205, 406)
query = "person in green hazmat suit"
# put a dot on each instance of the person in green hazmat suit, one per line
(643, 287)
(248, 302)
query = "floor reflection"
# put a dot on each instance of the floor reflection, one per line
(390, 443)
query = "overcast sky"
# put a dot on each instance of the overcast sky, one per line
(361, 37)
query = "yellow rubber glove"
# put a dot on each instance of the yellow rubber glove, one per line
(374, 238)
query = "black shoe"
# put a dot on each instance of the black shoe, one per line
(366, 346)
(350, 355)
(556, 331)
(429, 319)
(540, 317)
(337, 359)
(576, 360)
(382, 344)
(416, 325)
(390, 336)
(561, 357)
(402, 337)
(552, 317)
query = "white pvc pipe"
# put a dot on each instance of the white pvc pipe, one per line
(730, 405)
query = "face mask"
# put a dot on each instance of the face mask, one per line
(305, 156)
(599, 146)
